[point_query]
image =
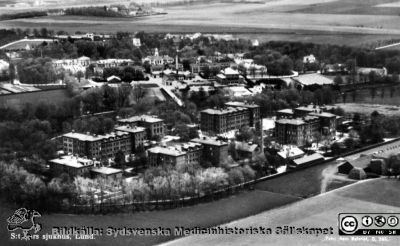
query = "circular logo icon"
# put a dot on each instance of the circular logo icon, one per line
(367, 221)
(392, 221)
(349, 224)
(380, 221)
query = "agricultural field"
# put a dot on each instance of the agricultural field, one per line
(373, 196)
(367, 109)
(333, 21)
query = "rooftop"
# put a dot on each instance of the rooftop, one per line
(175, 150)
(223, 111)
(313, 78)
(361, 162)
(106, 170)
(144, 118)
(291, 121)
(130, 129)
(230, 71)
(73, 161)
(324, 114)
(308, 158)
(93, 137)
(306, 108)
(290, 152)
(113, 77)
(108, 61)
(209, 141)
(286, 111)
(242, 104)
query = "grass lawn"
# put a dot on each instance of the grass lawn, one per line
(303, 183)
(203, 215)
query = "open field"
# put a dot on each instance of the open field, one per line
(364, 108)
(371, 196)
(306, 182)
(203, 215)
(370, 7)
(281, 19)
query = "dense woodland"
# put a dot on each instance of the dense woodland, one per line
(92, 11)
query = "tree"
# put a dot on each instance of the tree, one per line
(373, 92)
(338, 80)
(344, 96)
(11, 72)
(79, 75)
(120, 159)
(245, 134)
(349, 143)
(393, 165)
(336, 149)
(42, 111)
(372, 77)
(44, 32)
(354, 95)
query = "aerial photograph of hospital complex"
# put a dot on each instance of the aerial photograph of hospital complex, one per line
(199, 122)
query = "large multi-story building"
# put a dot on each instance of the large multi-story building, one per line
(303, 111)
(155, 127)
(303, 124)
(201, 67)
(217, 121)
(328, 122)
(291, 131)
(285, 114)
(97, 146)
(177, 155)
(297, 131)
(229, 76)
(254, 112)
(72, 65)
(72, 165)
(157, 60)
(138, 136)
(233, 117)
(214, 151)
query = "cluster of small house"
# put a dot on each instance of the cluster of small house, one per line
(372, 164)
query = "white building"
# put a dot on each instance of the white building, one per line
(136, 42)
(4, 65)
(157, 60)
(72, 65)
(309, 59)
(255, 43)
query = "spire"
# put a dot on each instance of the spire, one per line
(156, 52)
